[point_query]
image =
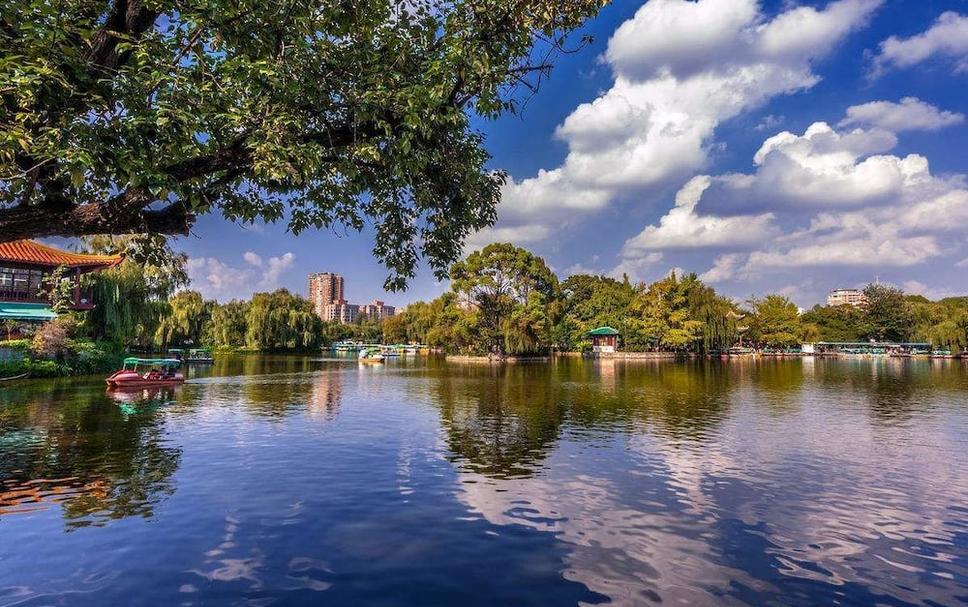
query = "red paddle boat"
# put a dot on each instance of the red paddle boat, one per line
(147, 373)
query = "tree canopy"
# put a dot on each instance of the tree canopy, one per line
(124, 116)
(510, 288)
(775, 322)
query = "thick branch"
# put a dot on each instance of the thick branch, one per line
(124, 213)
(128, 18)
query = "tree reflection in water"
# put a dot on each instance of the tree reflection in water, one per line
(98, 457)
(743, 481)
(502, 421)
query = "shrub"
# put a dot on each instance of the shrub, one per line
(53, 339)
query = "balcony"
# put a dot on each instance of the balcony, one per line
(81, 300)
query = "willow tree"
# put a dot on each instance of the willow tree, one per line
(135, 116)
(282, 321)
(132, 298)
(185, 320)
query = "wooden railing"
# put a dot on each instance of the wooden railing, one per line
(22, 296)
(29, 297)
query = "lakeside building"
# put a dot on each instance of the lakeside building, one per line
(325, 289)
(341, 312)
(604, 339)
(25, 268)
(326, 292)
(846, 297)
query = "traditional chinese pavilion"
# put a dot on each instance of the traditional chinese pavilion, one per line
(604, 339)
(23, 267)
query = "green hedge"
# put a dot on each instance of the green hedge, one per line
(82, 358)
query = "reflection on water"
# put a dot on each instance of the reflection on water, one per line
(289, 480)
(77, 449)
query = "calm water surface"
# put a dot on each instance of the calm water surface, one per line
(288, 481)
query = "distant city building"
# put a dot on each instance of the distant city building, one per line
(341, 311)
(846, 297)
(377, 310)
(325, 289)
(326, 294)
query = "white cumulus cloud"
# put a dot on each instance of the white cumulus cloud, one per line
(947, 37)
(216, 279)
(835, 199)
(680, 69)
(724, 268)
(910, 114)
(683, 228)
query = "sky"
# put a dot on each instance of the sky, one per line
(770, 147)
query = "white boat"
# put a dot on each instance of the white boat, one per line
(370, 355)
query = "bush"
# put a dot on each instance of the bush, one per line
(88, 357)
(53, 354)
(34, 368)
(17, 344)
(52, 339)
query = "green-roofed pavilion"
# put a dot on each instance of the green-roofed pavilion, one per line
(604, 339)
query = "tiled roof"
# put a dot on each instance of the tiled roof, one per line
(28, 251)
(603, 331)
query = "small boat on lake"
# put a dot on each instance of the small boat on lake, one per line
(195, 356)
(371, 355)
(147, 373)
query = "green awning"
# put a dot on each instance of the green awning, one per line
(155, 362)
(603, 331)
(26, 311)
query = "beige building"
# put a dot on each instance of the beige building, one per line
(846, 297)
(341, 311)
(377, 310)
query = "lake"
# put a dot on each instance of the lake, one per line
(292, 481)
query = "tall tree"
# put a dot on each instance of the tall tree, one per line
(662, 315)
(498, 279)
(775, 321)
(886, 313)
(590, 302)
(227, 326)
(282, 321)
(833, 323)
(185, 321)
(133, 116)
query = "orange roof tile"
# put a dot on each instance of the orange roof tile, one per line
(28, 251)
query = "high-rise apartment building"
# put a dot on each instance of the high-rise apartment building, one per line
(325, 288)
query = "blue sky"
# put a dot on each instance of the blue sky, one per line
(769, 146)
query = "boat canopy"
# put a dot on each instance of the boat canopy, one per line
(163, 362)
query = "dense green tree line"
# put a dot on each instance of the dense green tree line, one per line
(890, 315)
(503, 300)
(506, 300)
